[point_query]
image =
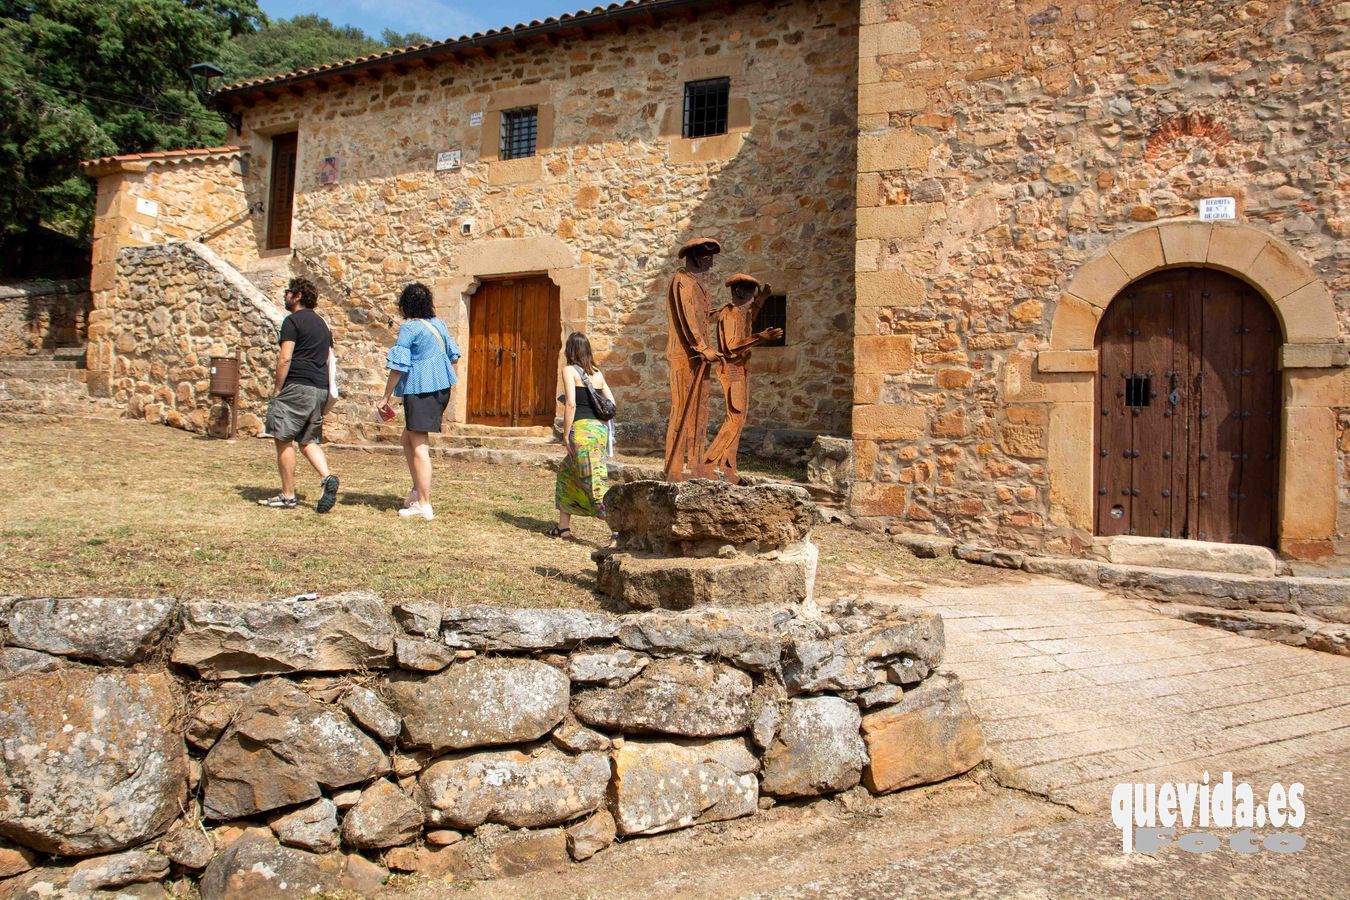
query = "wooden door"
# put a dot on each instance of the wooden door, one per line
(1188, 400)
(514, 339)
(281, 193)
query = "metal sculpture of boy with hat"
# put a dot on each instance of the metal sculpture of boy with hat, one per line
(735, 339)
(690, 349)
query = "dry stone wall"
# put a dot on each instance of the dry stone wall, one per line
(1001, 146)
(42, 315)
(287, 747)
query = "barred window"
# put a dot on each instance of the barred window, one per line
(520, 132)
(705, 107)
(773, 314)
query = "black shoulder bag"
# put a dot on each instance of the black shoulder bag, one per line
(604, 407)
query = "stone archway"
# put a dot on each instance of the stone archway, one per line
(1311, 355)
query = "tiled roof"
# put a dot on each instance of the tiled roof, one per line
(630, 9)
(111, 163)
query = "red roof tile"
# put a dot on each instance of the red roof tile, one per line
(583, 18)
(159, 155)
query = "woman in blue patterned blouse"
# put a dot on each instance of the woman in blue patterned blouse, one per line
(421, 371)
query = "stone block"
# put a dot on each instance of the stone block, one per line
(817, 749)
(664, 785)
(746, 637)
(225, 639)
(1327, 599)
(691, 698)
(1279, 271)
(930, 735)
(1139, 253)
(888, 39)
(925, 546)
(62, 733)
(257, 867)
(513, 787)
(671, 518)
(1074, 325)
(1308, 315)
(1307, 507)
(384, 817)
(524, 853)
(869, 193)
(889, 289)
(648, 582)
(587, 838)
(850, 650)
(1200, 556)
(1066, 361)
(494, 628)
(313, 827)
(1234, 247)
(891, 97)
(106, 631)
(1314, 356)
(1185, 242)
(892, 223)
(883, 354)
(481, 702)
(1098, 281)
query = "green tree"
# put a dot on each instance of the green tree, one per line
(85, 78)
(286, 45)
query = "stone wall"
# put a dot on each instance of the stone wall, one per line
(42, 315)
(1004, 145)
(613, 191)
(311, 745)
(174, 307)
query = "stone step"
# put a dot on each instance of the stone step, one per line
(1195, 556)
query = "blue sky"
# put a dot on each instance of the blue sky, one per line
(438, 19)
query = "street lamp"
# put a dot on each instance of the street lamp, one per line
(203, 74)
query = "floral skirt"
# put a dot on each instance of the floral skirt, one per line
(583, 476)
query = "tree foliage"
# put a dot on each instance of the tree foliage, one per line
(299, 43)
(84, 78)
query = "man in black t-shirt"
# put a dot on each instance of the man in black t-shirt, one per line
(295, 415)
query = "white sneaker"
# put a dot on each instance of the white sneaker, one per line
(418, 509)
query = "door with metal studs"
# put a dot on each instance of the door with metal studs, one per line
(1188, 402)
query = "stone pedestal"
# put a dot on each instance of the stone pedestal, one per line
(701, 542)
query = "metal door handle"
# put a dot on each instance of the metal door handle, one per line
(499, 356)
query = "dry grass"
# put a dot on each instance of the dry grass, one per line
(129, 509)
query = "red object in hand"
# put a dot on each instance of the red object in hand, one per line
(386, 413)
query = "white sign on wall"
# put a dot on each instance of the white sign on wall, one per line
(475, 119)
(1213, 209)
(147, 207)
(449, 160)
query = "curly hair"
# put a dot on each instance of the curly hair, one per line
(309, 294)
(415, 302)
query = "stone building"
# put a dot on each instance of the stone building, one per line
(984, 221)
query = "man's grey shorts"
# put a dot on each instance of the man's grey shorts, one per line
(296, 414)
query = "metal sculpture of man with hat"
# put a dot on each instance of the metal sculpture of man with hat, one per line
(691, 350)
(733, 326)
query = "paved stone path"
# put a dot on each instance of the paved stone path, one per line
(1080, 690)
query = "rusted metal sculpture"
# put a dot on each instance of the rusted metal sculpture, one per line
(733, 326)
(690, 350)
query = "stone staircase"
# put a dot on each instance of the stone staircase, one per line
(49, 386)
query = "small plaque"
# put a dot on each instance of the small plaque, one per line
(475, 119)
(449, 160)
(597, 294)
(1213, 209)
(328, 172)
(147, 207)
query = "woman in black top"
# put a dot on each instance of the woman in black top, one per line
(583, 477)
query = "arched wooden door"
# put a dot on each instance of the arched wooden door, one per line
(1188, 398)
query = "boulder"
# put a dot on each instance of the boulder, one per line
(257, 867)
(421, 618)
(213, 713)
(850, 652)
(686, 697)
(371, 713)
(663, 785)
(514, 853)
(281, 748)
(383, 817)
(311, 827)
(103, 630)
(90, 760)
(16, 661)
(511, 787)
(585, 839)
(817, 749)
(104, 873)
(929, 735)
(612, 668)
(422, 655)
(188, 845)
(439, 862)
(345, 632)
(747, 637)
(661, 516)
(640, 581)
(493, 628)
(480, 703)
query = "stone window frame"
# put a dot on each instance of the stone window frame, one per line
(716, 148)
(526, 168)
(1312, 357)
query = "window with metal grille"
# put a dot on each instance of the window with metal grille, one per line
(1137, 391)
(705, 107)
(773, 314)
(520, 132)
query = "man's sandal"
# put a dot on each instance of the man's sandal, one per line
(557, 532)
(278, 502)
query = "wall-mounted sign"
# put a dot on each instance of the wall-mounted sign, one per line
(1213, 209)
(328, 172)
(449, 160)
(147, 207)
(475, 119)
